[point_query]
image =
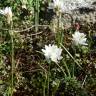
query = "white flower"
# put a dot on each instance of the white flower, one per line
(69, 5)
(8, 13)
(24, 3)
(79, 38)
(24, 7)
(52, 52)
(58, 4)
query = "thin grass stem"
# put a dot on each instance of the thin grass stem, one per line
(71, 56)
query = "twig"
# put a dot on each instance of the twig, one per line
(27, 29)
(32, 71)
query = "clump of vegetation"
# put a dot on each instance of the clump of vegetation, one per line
(45, 51)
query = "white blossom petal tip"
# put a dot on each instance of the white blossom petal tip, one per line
(8, 13)
(79, 38)
(52, 52)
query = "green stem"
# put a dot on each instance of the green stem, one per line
(44, 88)
(61, 69)
(74, 63)
(71, 56)
(0, 50)
(37, 15)
(67, 69)
(12, 65)
(48, 78)
(59, 35)
(73, 70)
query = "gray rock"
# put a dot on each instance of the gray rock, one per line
(84, 11)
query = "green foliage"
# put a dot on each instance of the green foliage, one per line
(24, 71)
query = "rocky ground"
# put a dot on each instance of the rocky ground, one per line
(83, 14)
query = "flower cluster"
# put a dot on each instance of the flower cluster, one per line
(52, 52)
(79, 38)
(57, 4)
(8, 13)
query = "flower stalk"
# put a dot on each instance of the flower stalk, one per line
(36, 14)
(12, 58)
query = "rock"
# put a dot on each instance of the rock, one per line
(84, 13)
